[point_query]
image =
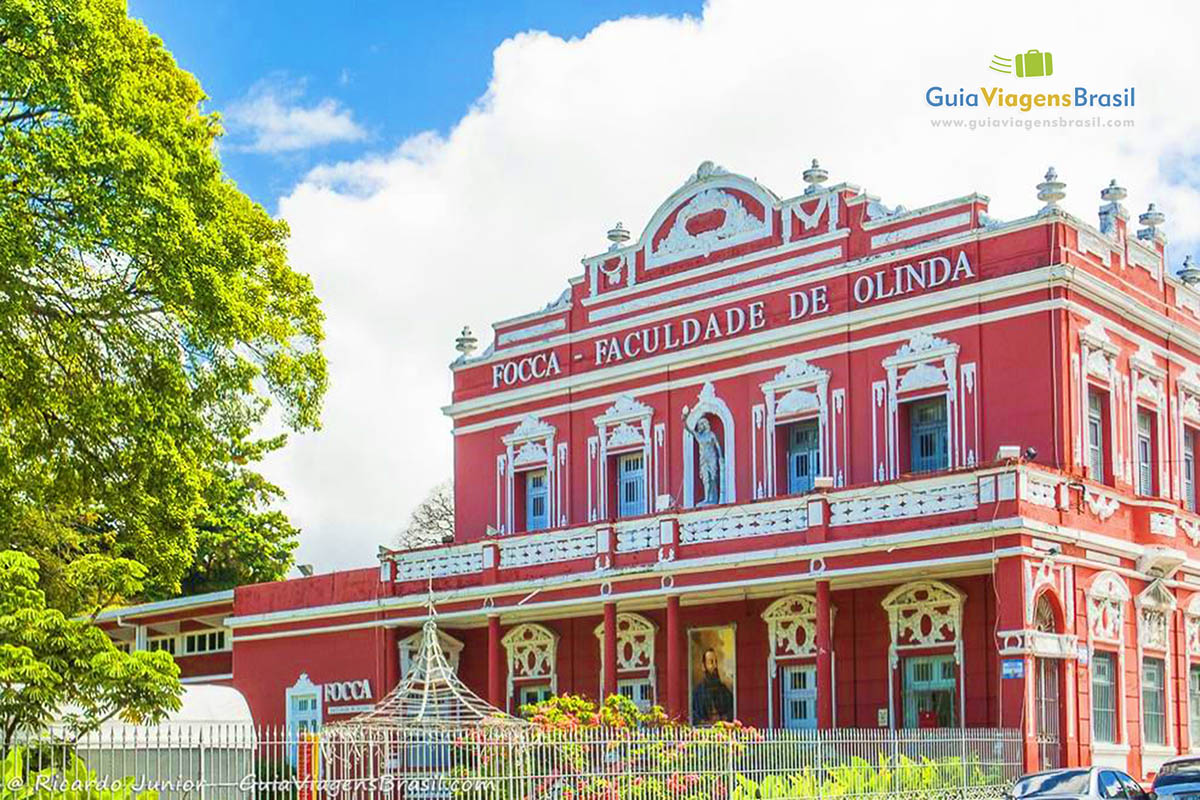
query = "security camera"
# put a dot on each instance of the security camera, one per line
(1030, 453)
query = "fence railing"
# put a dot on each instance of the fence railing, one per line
(217, 762)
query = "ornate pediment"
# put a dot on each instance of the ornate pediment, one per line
(531, 427)
(924, 614)
(922, 376)
(635, 642)
(531, 651)
(797, 401)
(922, 347)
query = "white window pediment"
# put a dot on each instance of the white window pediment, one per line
(923, 376)
(624, 427)
(635, 643)
(1192, 625)
(532, 651)
(1154, 605)
(924, 614)
(1107, 597)
(798, 390)
(792, 627)
(796, 402)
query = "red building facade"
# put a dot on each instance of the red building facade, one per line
(811, 462)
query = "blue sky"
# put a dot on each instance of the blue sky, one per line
(409, 237)
(394, 68)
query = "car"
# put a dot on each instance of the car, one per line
(1092, 783)
(1178, 779)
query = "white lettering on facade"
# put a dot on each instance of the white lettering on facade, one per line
(883, 284)
(542, 365)
(347, 690)
(906, 278)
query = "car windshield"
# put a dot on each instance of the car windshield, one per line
(1189, 767)
(1073, 781)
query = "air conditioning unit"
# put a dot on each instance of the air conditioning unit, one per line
(1008, 452)
(823, 482)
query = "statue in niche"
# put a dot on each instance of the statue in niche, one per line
(711, 462)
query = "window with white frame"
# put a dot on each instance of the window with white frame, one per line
(925, 616)
(534, 693)
(1194, 698)
(537, 500)
(635, 658)
(799, 695)
(1096, 455)
(302, 704)
(928, 435)
(1154, 704)
(804, 455)
(1145, 452)
(165, 643)
(639, 690)
(930, 690)
(203, 642)
(532, 652)
(527, 478)
(631, 484)
(1188, 468)
(1104, 697)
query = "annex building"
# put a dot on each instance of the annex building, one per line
(803, 461)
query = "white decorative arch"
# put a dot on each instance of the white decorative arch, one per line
(408, 647)
(532, 656)
(705, 192)
(624, 427)
(530, 446)
(791, 634)
(923, 615)
(709, 403)
(635, 649)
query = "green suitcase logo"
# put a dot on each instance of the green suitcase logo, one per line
(1030, 64)
(1034, 64)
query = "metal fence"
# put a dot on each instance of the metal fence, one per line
(518, 764)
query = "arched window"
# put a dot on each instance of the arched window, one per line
(636, 677)
(792, 642)
(926, 616)
(532, 663)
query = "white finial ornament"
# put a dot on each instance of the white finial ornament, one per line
(1189, 273)
(1051, 191)
(814, 176)
(618, 236)
(1152, 218)
(1113, 193)
(466, 342)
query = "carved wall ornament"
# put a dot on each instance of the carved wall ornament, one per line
(735, 222)
(532, 650)
(924, 614)
(1107, 597)
(792, 627)
(635, 643)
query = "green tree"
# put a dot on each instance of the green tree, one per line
(149, 320)
(52, 665)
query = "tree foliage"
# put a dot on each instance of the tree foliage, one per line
(432, 521)
(53, 665)
(149, 322)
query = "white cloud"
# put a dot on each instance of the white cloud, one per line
(490, 220)
(272, 116)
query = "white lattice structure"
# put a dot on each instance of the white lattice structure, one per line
(791, 635)
(532, 652)
(430, 696)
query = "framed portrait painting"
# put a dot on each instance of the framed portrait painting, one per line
(712, 674)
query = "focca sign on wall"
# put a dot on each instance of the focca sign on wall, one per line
(344, 691)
